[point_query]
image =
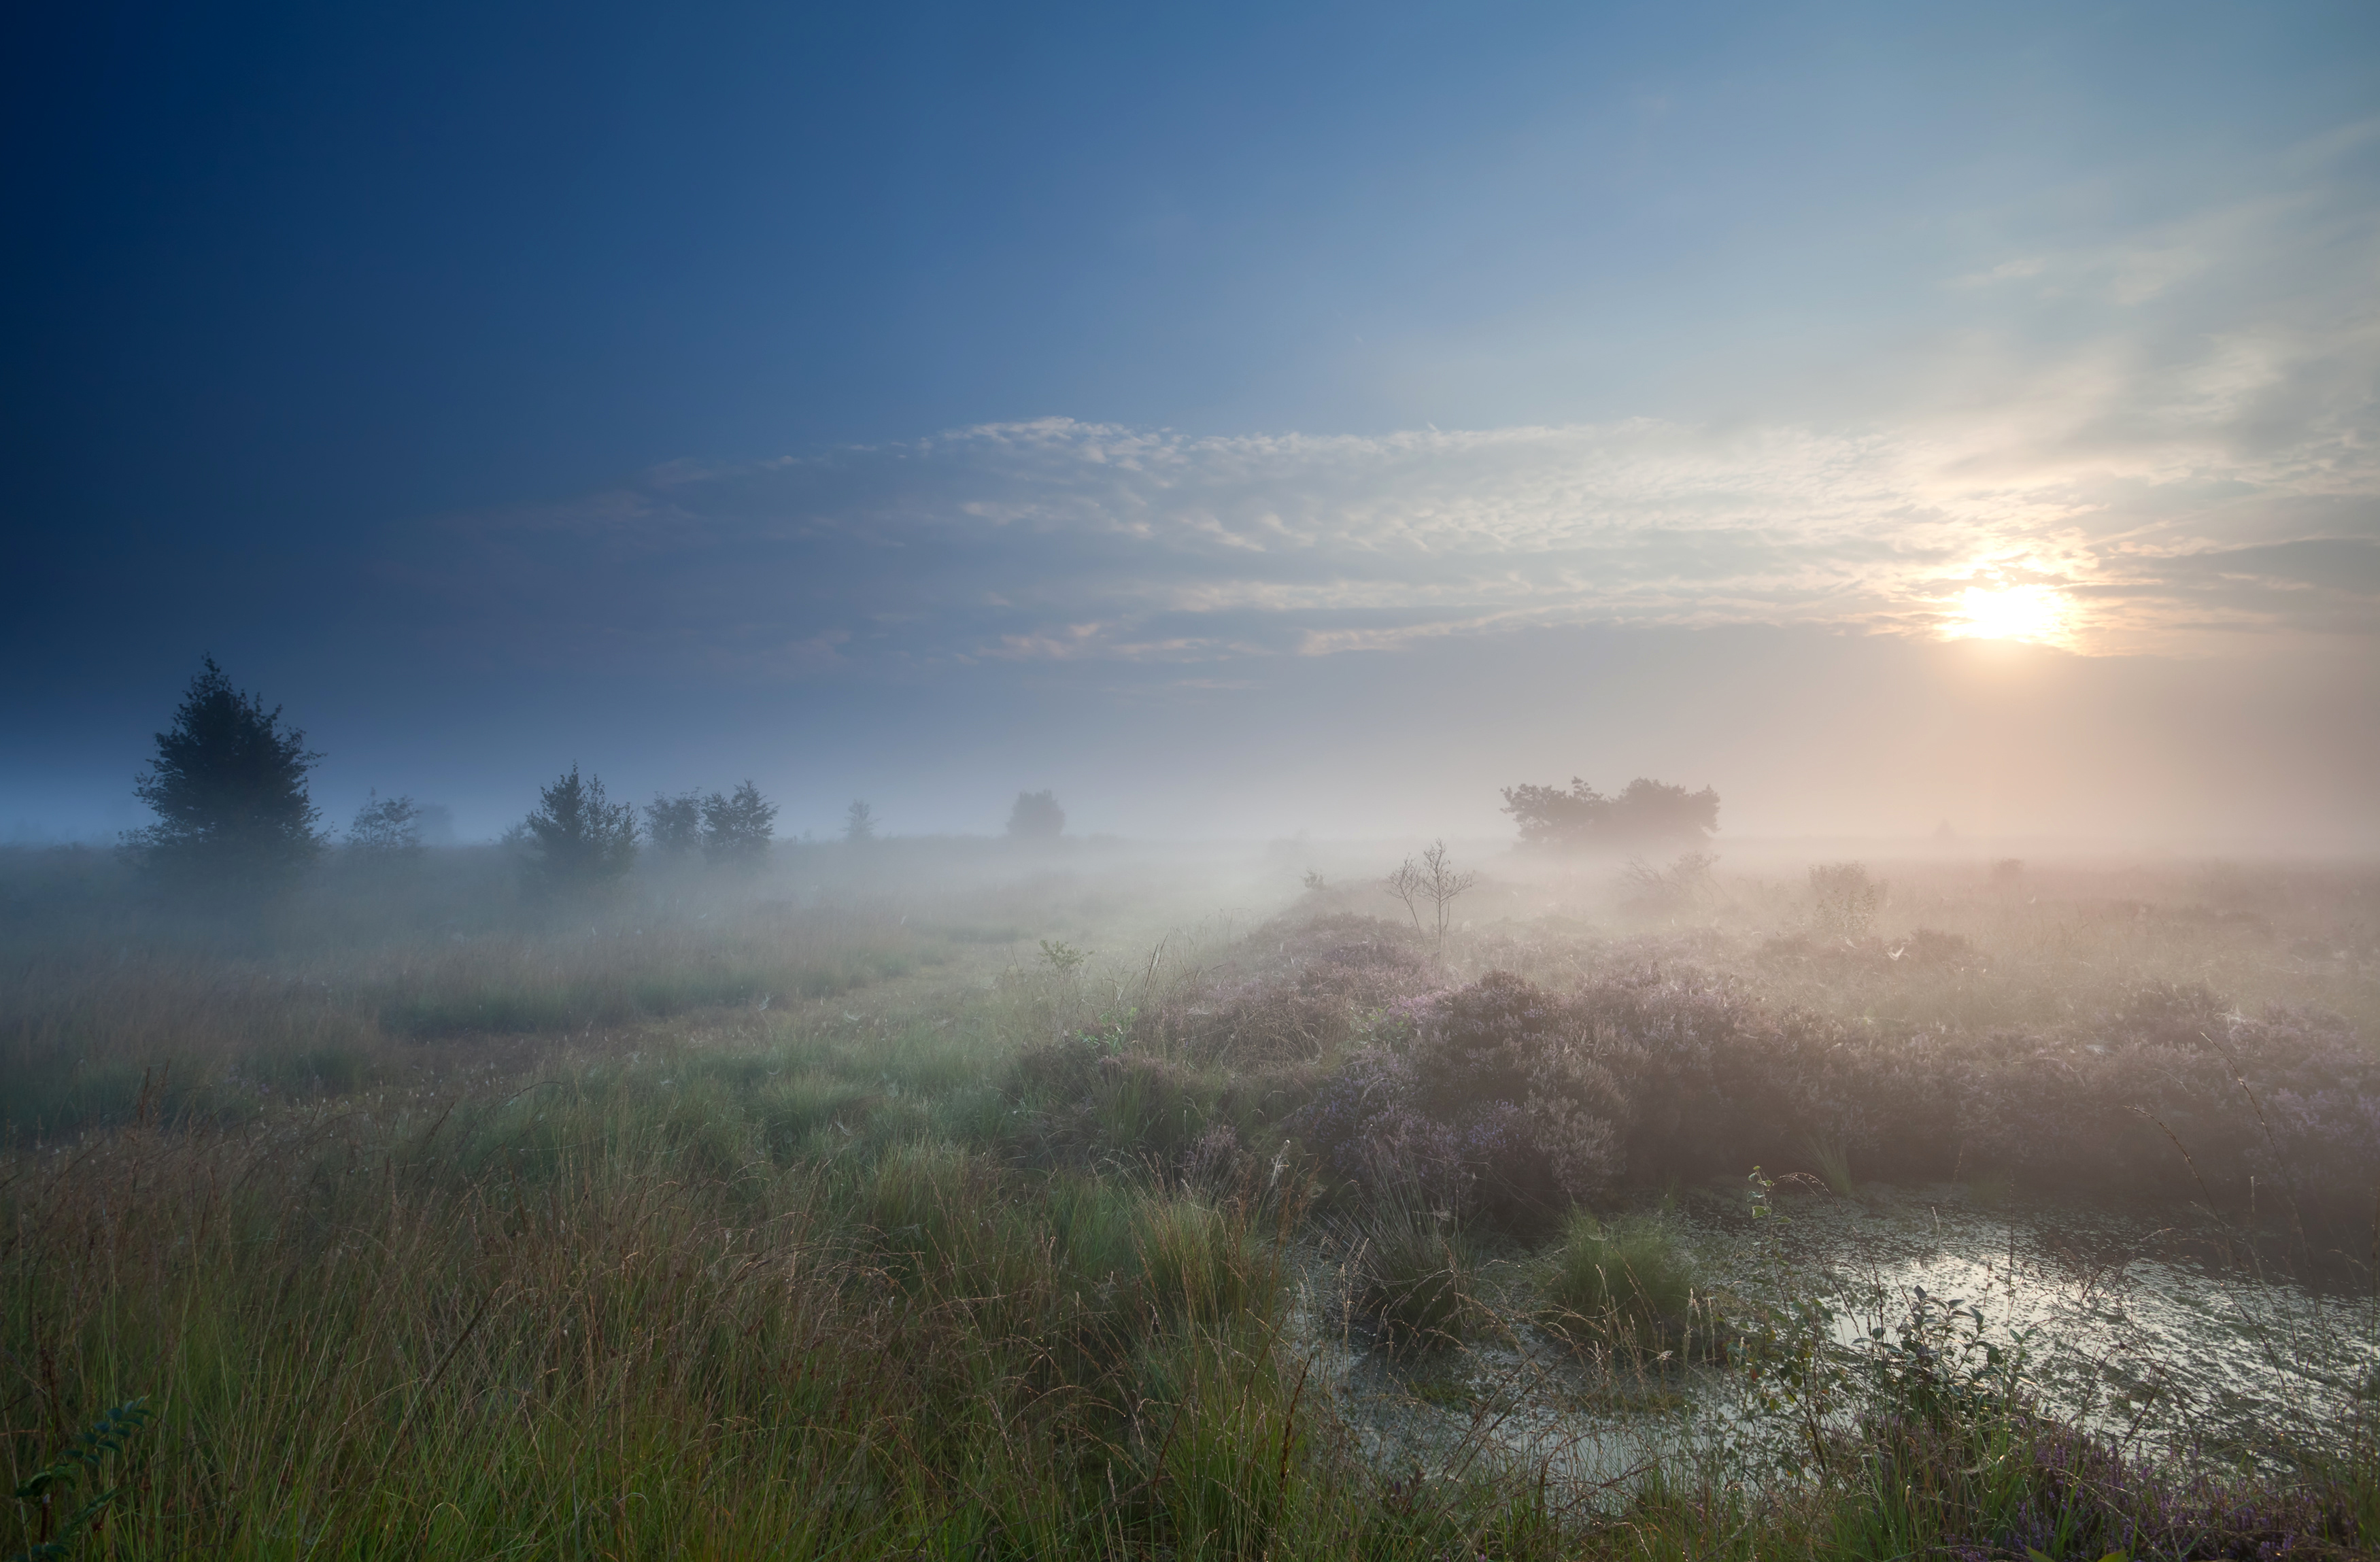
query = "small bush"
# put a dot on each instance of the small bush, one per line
(1843, 900)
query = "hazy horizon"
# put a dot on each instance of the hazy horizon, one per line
(1241, 424)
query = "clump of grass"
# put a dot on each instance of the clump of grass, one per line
(1625, 1283)
(1834, 1163)
(1412, 1274)
(1197, 1262)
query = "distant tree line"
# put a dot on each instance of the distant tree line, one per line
(1645, 814)
(228, 789)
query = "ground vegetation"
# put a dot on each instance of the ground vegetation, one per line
(890, 1201)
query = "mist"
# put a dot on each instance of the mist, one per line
(1208, 782)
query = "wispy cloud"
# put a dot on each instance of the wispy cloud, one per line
(2195, 465)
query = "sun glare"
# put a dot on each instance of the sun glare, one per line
(2009, 612)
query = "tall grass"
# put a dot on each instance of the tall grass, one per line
(562, 1243)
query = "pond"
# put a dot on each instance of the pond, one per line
(2169, 1334)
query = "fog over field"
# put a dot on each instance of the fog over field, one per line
(1509, 781)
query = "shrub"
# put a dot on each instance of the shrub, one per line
(1515, 1102)
(1843, 900)
(1304, 1004)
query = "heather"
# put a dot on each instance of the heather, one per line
(967, 1198)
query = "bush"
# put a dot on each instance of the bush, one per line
(1843, 900)
(1304, 1004)
(1515, 1102)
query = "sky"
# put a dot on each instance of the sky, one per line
(1239, 419)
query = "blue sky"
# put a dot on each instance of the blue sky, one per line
(1240, 419)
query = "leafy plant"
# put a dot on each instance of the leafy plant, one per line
(83, 1460)
(1936, 1366)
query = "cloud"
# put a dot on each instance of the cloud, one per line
(1064, 541)
(2173, 429)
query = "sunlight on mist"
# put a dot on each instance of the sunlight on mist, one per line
(2010, 612)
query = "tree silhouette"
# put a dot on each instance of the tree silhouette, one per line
(1434, 879)
(1647, 813)
(737, 827)
(673, 825)
(579, 839)
(859, 822)
(228, 787)
(1037, 817)
(386, 827)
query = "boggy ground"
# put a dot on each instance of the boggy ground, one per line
(942, 1201)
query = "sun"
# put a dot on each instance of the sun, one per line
(2009, 612)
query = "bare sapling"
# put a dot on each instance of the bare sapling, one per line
(1434, 879)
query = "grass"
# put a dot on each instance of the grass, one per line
(1414, 1274)
(1624, 1283)
(563, 1244)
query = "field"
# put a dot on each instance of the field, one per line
(949, 1199)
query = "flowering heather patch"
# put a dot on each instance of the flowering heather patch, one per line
(1530, 1099)
(2042, 1488)
(1297, 995)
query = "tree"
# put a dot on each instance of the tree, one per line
(859, 822)
(386, 827)
(1433, 880)
(1037, 817)
(673, 825)
(1648, 813)
(228, 787)
(737, 827)
(579, 839)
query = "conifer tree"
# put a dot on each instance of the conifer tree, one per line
(673, 825)
(228, 787)
(579, 839)
(737, 827)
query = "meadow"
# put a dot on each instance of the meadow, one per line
(959, 1199)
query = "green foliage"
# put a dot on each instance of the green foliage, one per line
(1623, 1282)
(83, 1461)
(581, 840)
(673, 825)
(737, 827)
(228, 788)
(1834, 1162)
